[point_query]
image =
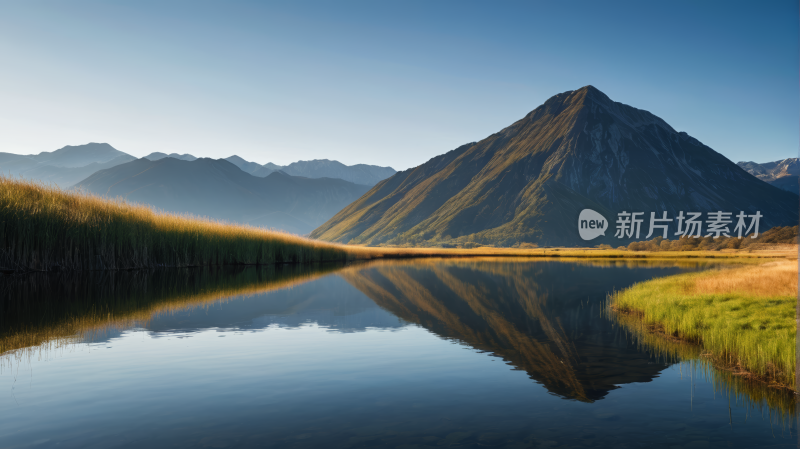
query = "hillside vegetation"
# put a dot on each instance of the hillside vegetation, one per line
(779, 235)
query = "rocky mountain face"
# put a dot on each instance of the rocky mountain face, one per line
(220, 190)
(783, 174)
(63, 167)
(530, 181)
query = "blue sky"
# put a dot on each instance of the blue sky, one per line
(386, 83)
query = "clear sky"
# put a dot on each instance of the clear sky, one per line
(386, 83)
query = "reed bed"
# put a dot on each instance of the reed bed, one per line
(743, 317)
(45, 228)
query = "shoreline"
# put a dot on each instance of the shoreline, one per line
(717, 362)
(742, 318)
(364, 254)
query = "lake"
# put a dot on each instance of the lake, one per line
(457, 353)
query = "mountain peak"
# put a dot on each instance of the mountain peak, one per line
(592, 93)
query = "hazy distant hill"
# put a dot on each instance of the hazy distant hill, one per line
(156, 156)
(784, 174)
(72, 164)
(319, 168)
(359, 173)
(220, 190)
(65, 166)
(529, 182)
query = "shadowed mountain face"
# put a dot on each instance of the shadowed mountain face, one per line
(532, 314)
(220, 190)
(781, 174)
(529, 182)
(63, 167)
(790, 183)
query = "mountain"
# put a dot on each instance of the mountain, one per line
(156, 156)
(245, 166)
(79, 155)
(790, 183)
(220, 190)
(63, 167)
(319, 168)
(781, 174)
(529, 182)
(323, 168)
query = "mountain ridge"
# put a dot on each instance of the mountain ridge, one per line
(783, 174)
(65, 166)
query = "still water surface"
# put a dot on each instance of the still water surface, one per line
(425, 354)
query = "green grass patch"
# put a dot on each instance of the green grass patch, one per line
(742, 324)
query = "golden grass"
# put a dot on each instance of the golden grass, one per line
(744, 317)
(364, 252)
(770, 279)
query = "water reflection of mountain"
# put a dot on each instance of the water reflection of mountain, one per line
(542, 317)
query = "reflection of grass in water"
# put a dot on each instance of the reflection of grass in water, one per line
(727, 378)
(43, 312)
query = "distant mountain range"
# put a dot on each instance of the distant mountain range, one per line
(319, 168)
(530, 181)
(219, 189)
(784, 174)
(63, 167)
(295, 198)
(72, 164)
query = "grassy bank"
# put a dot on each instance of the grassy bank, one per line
(44, 228)
(743, 317)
